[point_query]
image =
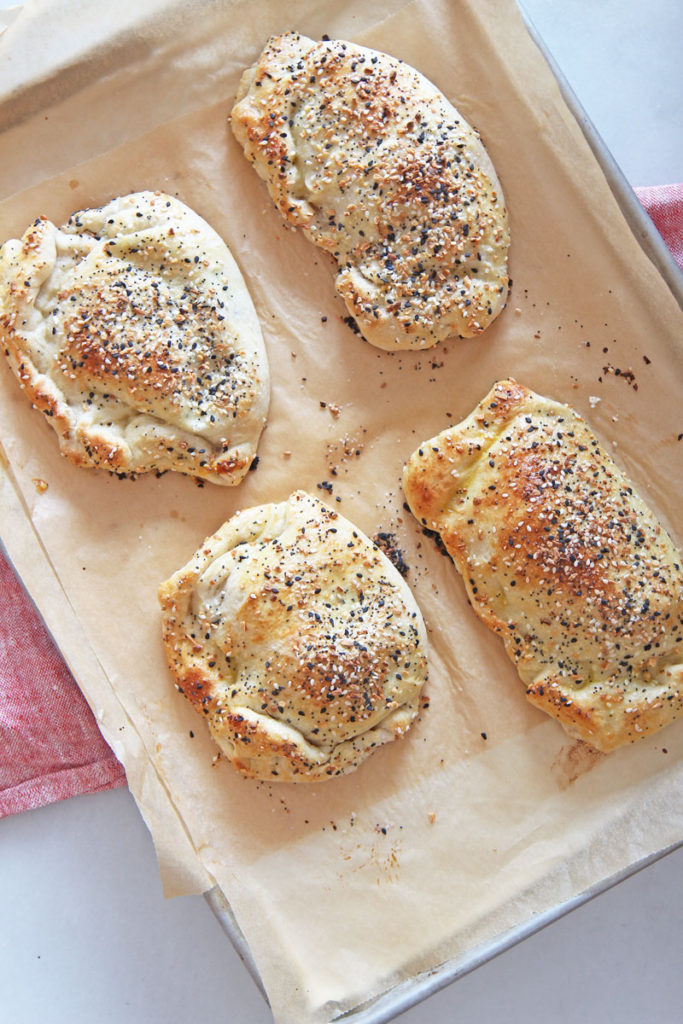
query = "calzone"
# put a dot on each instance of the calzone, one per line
(562, 559)
(297, 640)
(130, 327)
(377, 167)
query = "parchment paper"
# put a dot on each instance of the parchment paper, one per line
(486, 813)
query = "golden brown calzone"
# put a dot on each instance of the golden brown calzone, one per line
(297, 639)
(562, 559)
(378, 168)
(131, 328)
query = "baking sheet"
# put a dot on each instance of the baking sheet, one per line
(448, 840)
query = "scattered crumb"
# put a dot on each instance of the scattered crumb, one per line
(340, 452)
(40, 485)
(388, 544)
(628, 376)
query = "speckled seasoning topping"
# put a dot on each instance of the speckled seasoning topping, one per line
(562, 559)
(377, 167)
(132, 330)
(297, 640)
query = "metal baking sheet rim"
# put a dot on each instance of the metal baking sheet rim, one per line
(402, 997)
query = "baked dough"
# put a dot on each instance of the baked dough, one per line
(377, 167)
(562, 559)
(131, 328)
(297, 640)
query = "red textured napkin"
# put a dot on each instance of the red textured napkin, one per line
(664, 203)
(50, 746)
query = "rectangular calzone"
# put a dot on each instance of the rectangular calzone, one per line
(562, 559)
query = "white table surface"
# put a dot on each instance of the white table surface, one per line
(85, 934)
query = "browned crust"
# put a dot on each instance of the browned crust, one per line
(380, 171)
(561, 559)
(608, 720)
(321, 660)
(116, 350)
